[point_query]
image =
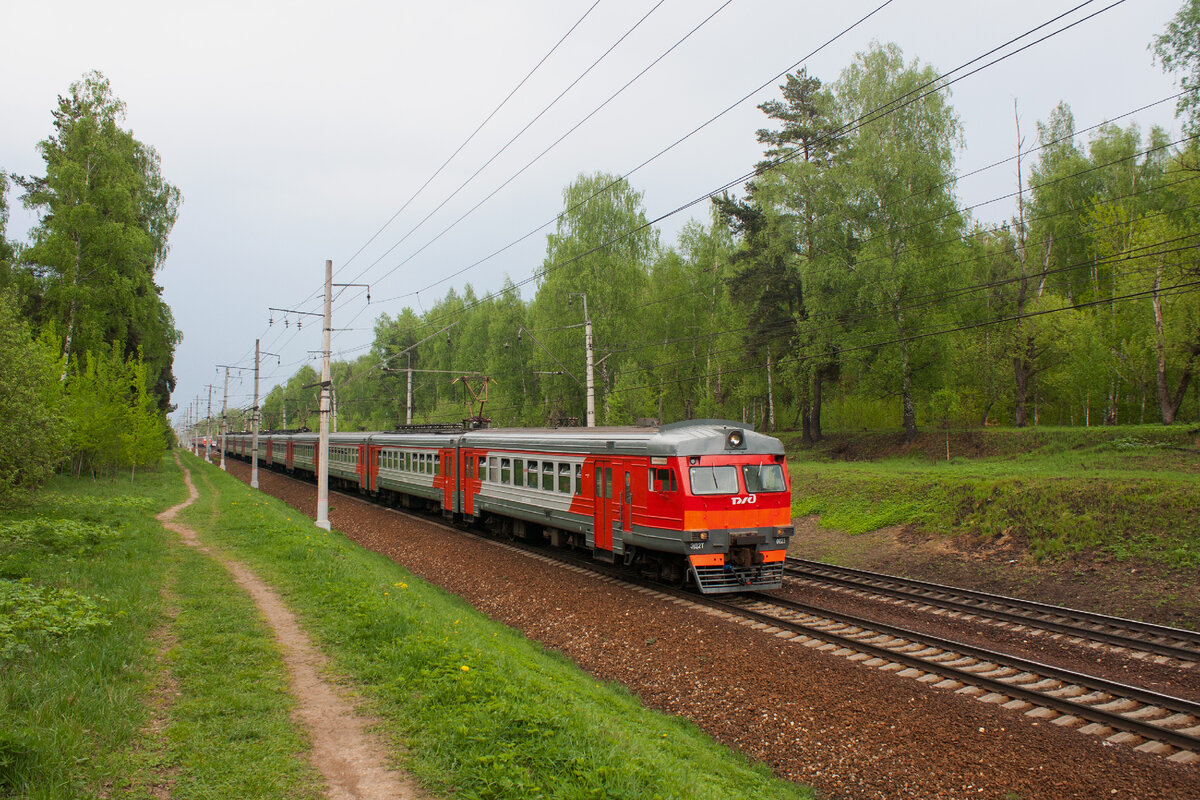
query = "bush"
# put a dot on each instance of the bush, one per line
(33, 425)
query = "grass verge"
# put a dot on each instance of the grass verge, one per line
(80, 571)
(1131, 495)
(107, 622)
(478, 710)
(227, 730)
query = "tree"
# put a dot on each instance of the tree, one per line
(602, 247)
(105, 216)
(897, 172)
(1178, 47)
(7, 251)
(33, 425)
(804, 148)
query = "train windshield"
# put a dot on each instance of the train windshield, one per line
(763, 478)
(714, 480)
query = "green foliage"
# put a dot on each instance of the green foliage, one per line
(1060, 492)
(35, 615)
(105, 216)
(115, 422)
(1178, 47)
(56, 534)
(846, 289)
(73, 691)
(33, 425)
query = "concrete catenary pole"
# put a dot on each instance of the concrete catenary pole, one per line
(224, 420)
(591, 358)
(208, 437)
(323, 447)
(254, 412)
(408, 402)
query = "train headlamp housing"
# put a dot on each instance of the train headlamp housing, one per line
(735, 440)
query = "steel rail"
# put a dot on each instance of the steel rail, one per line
(1118, 721)
(1010, 609)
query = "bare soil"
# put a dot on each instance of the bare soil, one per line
(851, 731)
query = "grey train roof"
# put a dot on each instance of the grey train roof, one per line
(690, 438)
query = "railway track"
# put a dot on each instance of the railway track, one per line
(1144, 720)
(1138, 638)
(1147, 721)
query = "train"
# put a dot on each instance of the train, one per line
(705, 503)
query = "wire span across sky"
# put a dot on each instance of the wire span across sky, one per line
(316, 125)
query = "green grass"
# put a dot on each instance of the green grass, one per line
(228, 731)
(71, 695)
(1129, 492)
(475, 710)
(75, 697)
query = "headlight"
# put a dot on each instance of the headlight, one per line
(735, 440)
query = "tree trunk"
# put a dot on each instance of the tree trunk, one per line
(770, 395)
(1165, 407)
(802, 414)
(815, 414)
(910, 412)
(1022, 376)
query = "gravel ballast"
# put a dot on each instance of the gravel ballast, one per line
(849, 730)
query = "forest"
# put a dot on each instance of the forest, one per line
(845, 287)
(86, 341)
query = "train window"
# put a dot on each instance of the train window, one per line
(608, 482)
(579, 480)
(493, 469)
(764, 478)
(662, 480)
(437, 464)
(714, 480)
(548, 476)
(408, 462)
(505, 471)
(518, 472)
(564, 478)
(532, 481)
(599, 489)
(481, 460)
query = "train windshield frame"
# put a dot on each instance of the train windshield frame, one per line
(714, 479)
(764, 478)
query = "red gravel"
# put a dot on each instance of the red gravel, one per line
(851, 731)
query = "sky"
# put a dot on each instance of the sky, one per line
(297, 131)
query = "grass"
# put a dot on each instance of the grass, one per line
(228, 730)
(1128, 492)
(474, 709)
(74, 698)
(71, 695)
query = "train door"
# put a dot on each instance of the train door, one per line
(467, 483)
(627, 500)
(604, 510)
(448, 482)
(364, 467)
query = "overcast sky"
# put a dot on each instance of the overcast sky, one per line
(295, 131)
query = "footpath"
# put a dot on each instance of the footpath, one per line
(349, 758)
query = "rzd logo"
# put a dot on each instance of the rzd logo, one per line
(744, 501)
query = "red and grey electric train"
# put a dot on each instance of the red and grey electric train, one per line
(704, 500)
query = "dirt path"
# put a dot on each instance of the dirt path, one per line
(350, 759)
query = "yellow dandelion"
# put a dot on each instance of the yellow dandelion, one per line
(465, 668)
